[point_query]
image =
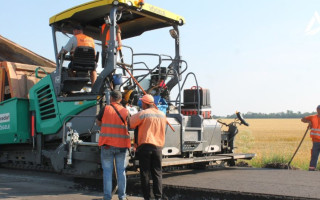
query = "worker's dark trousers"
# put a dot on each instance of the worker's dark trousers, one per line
(315, 154)
(150, 162)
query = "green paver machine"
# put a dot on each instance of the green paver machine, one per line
(54, 125)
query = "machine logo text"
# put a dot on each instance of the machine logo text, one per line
(4, 117)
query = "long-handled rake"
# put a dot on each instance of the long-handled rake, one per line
(289, 167)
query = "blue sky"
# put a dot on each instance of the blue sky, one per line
(254, 56)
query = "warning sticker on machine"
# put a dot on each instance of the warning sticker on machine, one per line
(4, 117)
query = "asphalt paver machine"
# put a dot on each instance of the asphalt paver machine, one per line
(53, 127)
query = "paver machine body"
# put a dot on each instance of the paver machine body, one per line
(59, 113)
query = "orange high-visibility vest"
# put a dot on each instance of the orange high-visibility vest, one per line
(108, 32)
(315, 129)
(151, 125)
(113, 131)
(83, 40)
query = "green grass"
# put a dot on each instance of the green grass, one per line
(270, 159)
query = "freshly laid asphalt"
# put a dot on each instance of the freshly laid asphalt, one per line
(266, 183)
(280, 183)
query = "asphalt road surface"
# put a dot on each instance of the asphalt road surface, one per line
(244, 183)
(31, 185)
(217, 183)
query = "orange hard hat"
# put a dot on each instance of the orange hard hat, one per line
(147, 99)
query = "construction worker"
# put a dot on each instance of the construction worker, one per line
(107, 34)
(105, 37)
(114, 141)
(79, 39)
(151, 124)
(314, 124)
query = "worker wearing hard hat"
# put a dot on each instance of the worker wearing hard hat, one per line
(79, 39)
(151, 124)
(114, 141)
(314, 124)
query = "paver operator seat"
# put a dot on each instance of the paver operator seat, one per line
(82, 62)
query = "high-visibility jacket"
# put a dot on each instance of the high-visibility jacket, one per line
(83, 40)
(151, 125)
(113, 131)
(108, 32)
(315, 128)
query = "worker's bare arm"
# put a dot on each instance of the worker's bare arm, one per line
(304, 120)
(119, 39)
(98, 122)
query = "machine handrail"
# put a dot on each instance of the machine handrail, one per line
(137, 63)
(179, 94)
(150, 71)
(166, 56)
(179, 60)
(131, 49)
(198, 91)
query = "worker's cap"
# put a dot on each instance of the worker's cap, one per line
(77, 27)
(318, 107)
(116, 94)
(147, 99)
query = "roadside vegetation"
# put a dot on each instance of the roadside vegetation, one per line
(274, 141)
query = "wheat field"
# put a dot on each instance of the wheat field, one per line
(274, 140)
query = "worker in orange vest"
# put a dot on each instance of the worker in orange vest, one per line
(151, 124)
(118, 34)
(114, 141)
(314, 124)
(79, 39)
(105, 37)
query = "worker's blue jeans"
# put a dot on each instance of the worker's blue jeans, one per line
(315, 154)
(108, 155)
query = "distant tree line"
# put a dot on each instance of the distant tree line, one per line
(279, 115)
